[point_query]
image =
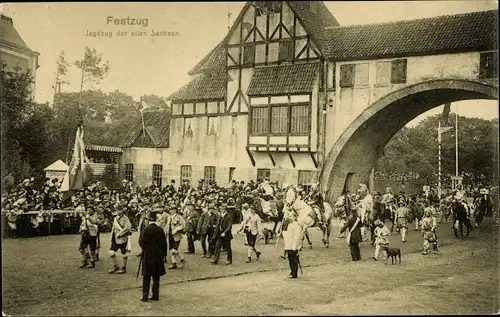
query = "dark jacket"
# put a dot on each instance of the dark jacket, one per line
(154, 249)
(356, 233)
(205, 222)
(224, 225)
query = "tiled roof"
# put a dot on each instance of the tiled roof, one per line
(443, 34)
(283, 79)
(9, 34)
(314, 23)
(208, 85)
(157, 124)
(215, 59)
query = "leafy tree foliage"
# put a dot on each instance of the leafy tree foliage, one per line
(416, 150)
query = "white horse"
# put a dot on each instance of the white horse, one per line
(307, 216)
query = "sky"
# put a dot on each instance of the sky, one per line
(159, 64)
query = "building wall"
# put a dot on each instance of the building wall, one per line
(349, 103)
(16, 57)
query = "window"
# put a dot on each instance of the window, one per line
(260, 117)
(398, 71)
(488, 65)
(279, 119)
(263, 173)
(129, 172)
(361, 74)
(248, 54)
(300, 119)
(306, 179)
(188, 129)
(209, 174)
(383, 75)
(212, 125)
(285, 50)
(231, 173)
(186, 171)
(347, 75)
(157, 173)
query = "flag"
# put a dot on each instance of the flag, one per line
(75, 175)
(445, 115)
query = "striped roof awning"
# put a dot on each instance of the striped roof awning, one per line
(103, 148)
(284, 79)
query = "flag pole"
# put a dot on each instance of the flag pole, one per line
(456, 143)
(439, 159)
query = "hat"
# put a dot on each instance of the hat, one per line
(484, 191)
(245, 205)
(34, 222)
(151, 216)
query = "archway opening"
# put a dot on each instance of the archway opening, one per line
(363, 142)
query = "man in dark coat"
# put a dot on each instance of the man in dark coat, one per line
(223, 235)
(154, 249)
(192, 219)
(353, 224)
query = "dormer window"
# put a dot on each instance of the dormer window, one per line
(313, 7)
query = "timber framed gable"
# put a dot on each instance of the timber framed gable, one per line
(261, 37)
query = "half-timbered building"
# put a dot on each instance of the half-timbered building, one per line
(265, 101)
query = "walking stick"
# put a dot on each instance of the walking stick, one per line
(298, 262)
(139, 268)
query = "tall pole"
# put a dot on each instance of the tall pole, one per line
(439, 160)
(456, 143)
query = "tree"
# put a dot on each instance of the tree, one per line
(62, 69)
(416, 149)
(93, 69)
(110, 178)
(25, 129)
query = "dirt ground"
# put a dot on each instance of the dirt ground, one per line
(41, 276)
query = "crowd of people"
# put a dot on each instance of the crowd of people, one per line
(207, 213)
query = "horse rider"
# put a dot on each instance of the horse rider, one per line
(316, 200)
(460, 196)
(365, 206)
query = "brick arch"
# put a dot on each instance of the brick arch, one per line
(362, 143)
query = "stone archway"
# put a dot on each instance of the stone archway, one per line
(362, 143)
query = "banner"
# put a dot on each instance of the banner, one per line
(74, 178)
(446, 114)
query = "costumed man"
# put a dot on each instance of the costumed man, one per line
(353, 228)
(382, 234)
(401, 219)
(246, 211)
(223, 235)
(153, 242)
(120, 240)
(429, 232)
(175, 229)
(341, 212)
(365, 206)
(191, 225)
(88, 230)
(388, 202)
(268, 190)
(293, 236)
(252, 226)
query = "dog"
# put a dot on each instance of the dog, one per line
(268, 235)
(394, 253)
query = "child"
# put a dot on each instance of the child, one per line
(381, 238)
